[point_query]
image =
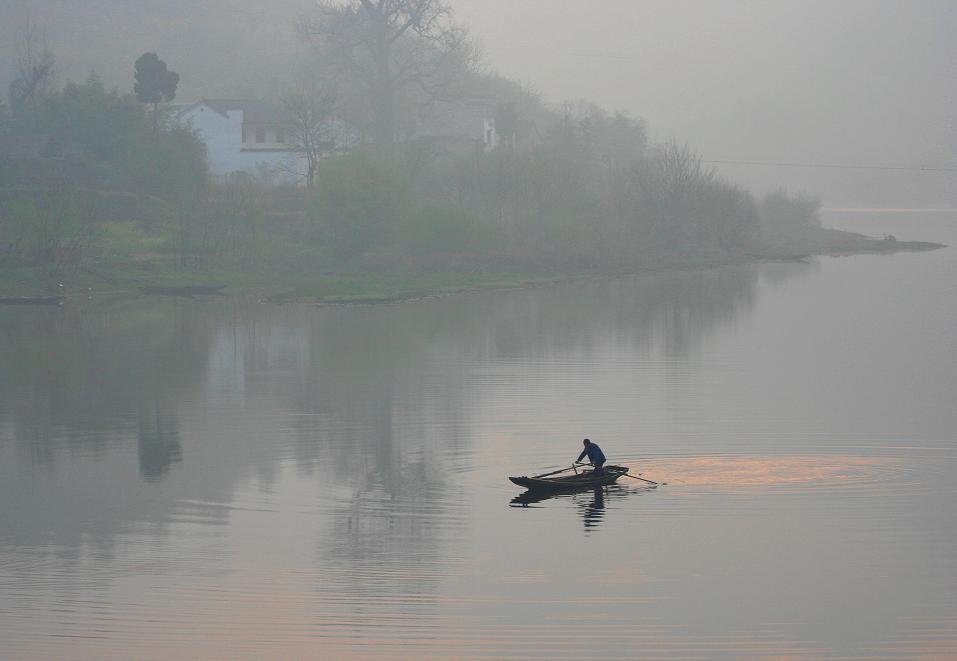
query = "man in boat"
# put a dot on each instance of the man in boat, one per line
(595, 456)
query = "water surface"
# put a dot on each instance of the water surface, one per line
(186, 478)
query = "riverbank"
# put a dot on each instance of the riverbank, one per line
(164, 276)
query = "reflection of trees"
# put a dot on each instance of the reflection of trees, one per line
(75, 375)
(384, 394)
(79, 387)
(385, 549)
(374, 401)
(122, 422)
(776, 274)
(671, 312)
(159, 445)
(388, 398)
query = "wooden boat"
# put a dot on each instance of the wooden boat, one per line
(582, 480)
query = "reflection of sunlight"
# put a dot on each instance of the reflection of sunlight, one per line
(748, 471)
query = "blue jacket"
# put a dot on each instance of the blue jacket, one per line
(595, 455)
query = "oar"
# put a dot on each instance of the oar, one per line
(555, 472)
(572, 467)
(640, 478)
(627, 475)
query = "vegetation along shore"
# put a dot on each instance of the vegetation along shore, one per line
(107, 191)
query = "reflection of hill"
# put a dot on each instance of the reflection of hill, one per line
(196, 398)
(159, 446)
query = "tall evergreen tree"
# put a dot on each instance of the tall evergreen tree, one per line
(154, 83)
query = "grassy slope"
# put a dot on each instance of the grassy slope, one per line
(356, 285)
(275, 285)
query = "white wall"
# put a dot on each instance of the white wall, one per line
(227, 154)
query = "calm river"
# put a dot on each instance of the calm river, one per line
(192, 479)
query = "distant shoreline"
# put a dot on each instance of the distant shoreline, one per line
(162, 278)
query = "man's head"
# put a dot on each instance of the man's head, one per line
(586, 442)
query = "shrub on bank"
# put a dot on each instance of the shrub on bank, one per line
(361, 200)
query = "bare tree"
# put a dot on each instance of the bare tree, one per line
(682, 170)
(307, 110)
(390, 49)
(35, 69)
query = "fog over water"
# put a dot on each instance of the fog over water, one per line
(227, 480)
(290, 290)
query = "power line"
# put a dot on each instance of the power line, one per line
(839, 166)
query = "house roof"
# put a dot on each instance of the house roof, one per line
(255, 111)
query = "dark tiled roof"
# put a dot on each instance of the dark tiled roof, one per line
(255, 111)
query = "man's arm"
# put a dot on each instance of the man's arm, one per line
(581, 456)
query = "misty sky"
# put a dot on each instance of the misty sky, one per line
(853, 81)
(816, 81)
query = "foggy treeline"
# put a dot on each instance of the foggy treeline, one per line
(567, 185)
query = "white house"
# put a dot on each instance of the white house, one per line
(466, 121)
(244, 137)
(247, 137)
(475, 121)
